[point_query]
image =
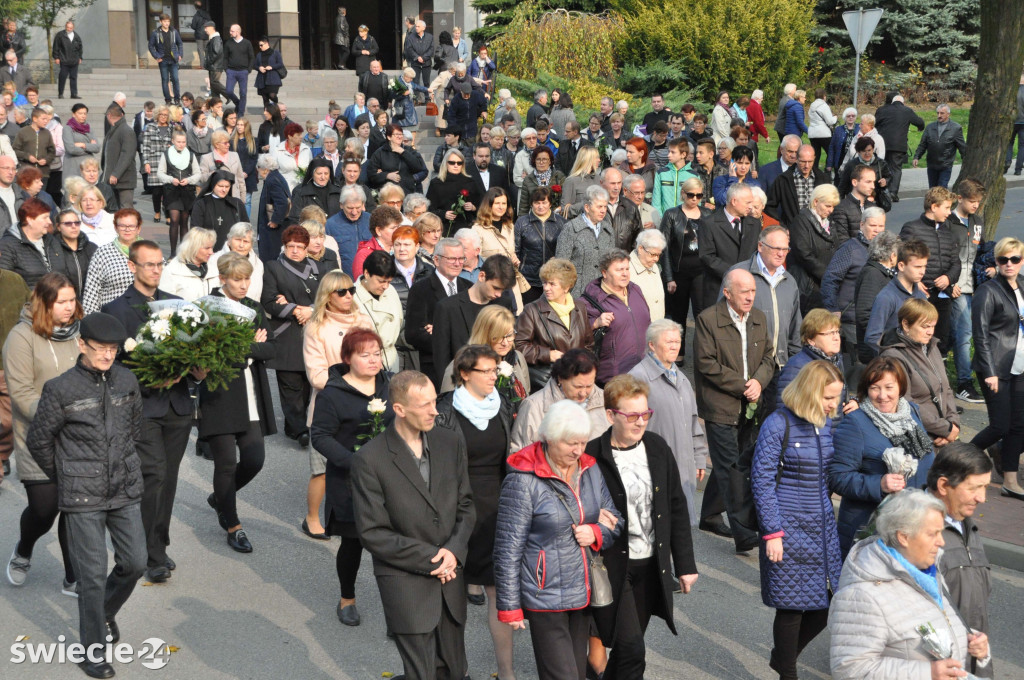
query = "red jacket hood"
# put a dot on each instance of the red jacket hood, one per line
(532, 459)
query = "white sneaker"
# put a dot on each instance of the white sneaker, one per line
(17, 568)
(70, 589)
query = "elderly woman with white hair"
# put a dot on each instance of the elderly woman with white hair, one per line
(867, 129)
(889, 590)
(549, 486)
(241, 239)
(843, 137)
(275, 202)
(645, 271)
(189, 275)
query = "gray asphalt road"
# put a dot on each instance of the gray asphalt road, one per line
(270, 614)
(1011, 222)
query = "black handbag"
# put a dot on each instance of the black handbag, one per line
(398, 111)
(599, 333)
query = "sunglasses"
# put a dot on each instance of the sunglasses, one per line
(76, 223)
(342, 292)
(1015, 259)
(454, 162)
(691, 195)
(633, 417)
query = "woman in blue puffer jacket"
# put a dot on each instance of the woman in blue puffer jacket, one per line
(800, 554)
(553, 511)
(794, 111)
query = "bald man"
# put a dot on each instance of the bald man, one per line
(240, 57)
(734, 360)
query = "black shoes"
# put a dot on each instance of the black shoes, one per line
(718, 528)
(97, 670)
(157, 574)
(748, 545)
(476, 598)
(239, 542)
(319, 537)
(169, 563)
(349, 615)
(966, 392)
(114, 632)
(303, 439)
(1012, 494)
(212, 501)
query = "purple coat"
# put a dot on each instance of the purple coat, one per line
(798, 506)
(626, 342)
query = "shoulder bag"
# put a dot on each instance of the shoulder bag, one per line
(600, 583)
(600, 332)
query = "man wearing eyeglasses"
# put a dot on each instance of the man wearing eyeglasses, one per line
(15, 72)
(92, 455)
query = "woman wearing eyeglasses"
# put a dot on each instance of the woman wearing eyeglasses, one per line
(653, 553)
(109, 275)
(496, 327)
(446, 192)
(483, 416)
(681, 265)
(822, 340)
(333, 314)
(997, 314)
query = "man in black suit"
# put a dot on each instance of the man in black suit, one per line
(414, 512)
(484, 173)
(167, 413)
(426, 293)
(15, 72)
(570, 147)
(792, 191)
(893, 121)
(787, 158)
(454, 316)
(730, 236)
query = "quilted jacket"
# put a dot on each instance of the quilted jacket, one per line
(798, 506)
(856, 470)
(84, 435)
(538, 565)
(943, 249)
(839, 284)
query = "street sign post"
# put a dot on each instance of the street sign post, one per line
(861, 25)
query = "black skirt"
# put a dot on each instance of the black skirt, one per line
(179, 197)
(487, 450)
(337, 527)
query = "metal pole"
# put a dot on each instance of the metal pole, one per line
(856, 80)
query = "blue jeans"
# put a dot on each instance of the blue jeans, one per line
(939, 177)
(242, 78)
(960, 320)
(169, 71)
(1018, 136)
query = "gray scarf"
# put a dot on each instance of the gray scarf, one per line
(899, 428)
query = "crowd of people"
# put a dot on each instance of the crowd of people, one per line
(488, 374)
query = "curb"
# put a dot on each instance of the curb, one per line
(1004, 554)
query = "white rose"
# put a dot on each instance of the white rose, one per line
(505, 370)
(376, 406)
(165, 313)
(130, 344)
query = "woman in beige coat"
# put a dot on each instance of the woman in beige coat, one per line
(495, 225)
(437, 85)
(41, 346)
(221, 157)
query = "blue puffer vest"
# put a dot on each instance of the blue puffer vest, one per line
(538, 565)
(797, 505)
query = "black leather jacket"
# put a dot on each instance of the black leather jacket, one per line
(680, 231)
(995, 320)
(535, 243)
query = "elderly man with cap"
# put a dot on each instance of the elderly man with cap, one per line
(99, 479)
(465, 108)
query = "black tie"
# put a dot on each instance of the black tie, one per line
(736, 226)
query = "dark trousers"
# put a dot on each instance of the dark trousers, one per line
(793, 630)
(731, 450)
(1005, 421)
(168, 77)
(689, 279)
(37, 520)
(217, 86)
(350, 554)
(628, 658)
(55, 186)
(820, 144)
(560, 643)
(895, 161)
(294, 389)
(437, 655)
(101, 595)
(939, 177)
(422, 72)
(242, 78)
(848, 333)
(68, 71)
(230, 473)
(943, 326)
(160, 449)
(125, 196)
(341, 55)
(1018, 136)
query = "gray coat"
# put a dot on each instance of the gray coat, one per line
(781, 306)
(578, 244)
(941, 149)
(968, 576)
(74, 155)
(675, 419)
(874, 617)
(119, 151)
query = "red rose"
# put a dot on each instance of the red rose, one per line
(820, 50)
(557, 188)
(465, 193)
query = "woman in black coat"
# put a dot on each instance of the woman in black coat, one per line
(813, 242)
(394, 163)
(69, 250)
(268, 78)
(364, 42)
(445, 190)
(296, 278)
(217, 209)
(341, 419)
(876, 274)
(228, 418)
(866, 155)
(272, 210)
(317, 188)
(653, 554)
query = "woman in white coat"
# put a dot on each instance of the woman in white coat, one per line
(189, 275)
(379, 301)
(820, 123)
(241, 238)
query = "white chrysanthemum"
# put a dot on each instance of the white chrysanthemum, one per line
(505, 369)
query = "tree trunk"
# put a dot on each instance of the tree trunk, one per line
(1000, 60)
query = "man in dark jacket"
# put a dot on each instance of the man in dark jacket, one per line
(941, 140)
(792, 191)
(239, 59)
(13, 39)
(341, 40)
(934, 229)
(538, 108)
(730, 236)
(911, 264)
(199, 20)
(167, 414)
(958, 477)
(216, 61)
(465, 108)
(374, 84)
(67, 54)
(118, 157)
(845, 219)
(484, 173)
(893, 121)
(570, 147)
(166, 47)
(92, 457)
(419, 52)
(414, 513)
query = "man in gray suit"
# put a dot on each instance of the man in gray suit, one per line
(15, 72)
(414, 512)
(118, 159)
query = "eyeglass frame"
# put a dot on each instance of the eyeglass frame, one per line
(633, 417)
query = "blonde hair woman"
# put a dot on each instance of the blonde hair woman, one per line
(496, 327)
(583, 174)
(189, 275)
(221, 157)
(451, 187)
(335, 312)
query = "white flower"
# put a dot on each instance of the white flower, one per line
(130, 344)
(165, 313)
(505, 370)
(160, 329)
(376, 406)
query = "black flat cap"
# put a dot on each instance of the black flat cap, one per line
(209, 23)
(100, 327)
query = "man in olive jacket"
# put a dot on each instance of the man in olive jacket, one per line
(734, 360)
(83, 436)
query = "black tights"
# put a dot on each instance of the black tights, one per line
(157, 192)
(269, 98)
(793, 630)
(37, 520)
(179, 225)
(229, 474)
(350, 553)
